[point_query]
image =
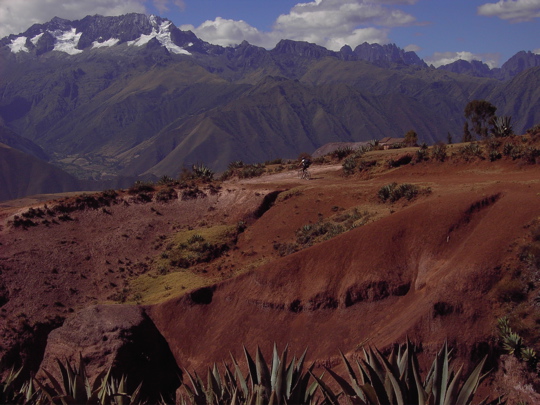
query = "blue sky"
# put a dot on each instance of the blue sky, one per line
(439, 31)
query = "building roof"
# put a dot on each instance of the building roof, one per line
(391, 141)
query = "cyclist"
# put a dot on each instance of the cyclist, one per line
(305, 163)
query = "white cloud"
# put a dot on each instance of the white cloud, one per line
(330, 23)
(17, 16)
(512, 10)
(227, 32)
(445, 58)
(536, 51)
(412, 48)
(164, 5)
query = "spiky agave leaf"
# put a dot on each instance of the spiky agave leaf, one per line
(280, 382)
(331, 397)
(264, 377)
(440, 376)
(240, 377)
(452, 392)
(471, 384)
(252, 368)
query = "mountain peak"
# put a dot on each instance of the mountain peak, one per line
(388, 53)
(96, 31)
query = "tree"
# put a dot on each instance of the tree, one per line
(480, 113)
(411, 138)
(467, 137)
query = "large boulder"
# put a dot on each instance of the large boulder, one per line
(118, 336)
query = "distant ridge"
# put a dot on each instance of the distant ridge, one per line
(114, 98)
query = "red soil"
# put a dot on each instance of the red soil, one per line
(426, 269)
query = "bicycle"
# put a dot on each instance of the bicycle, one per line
(304, 174)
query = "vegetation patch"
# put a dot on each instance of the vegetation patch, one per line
(245, 171)
(191, 247)
(312, 234)
(152, 289)
(393, 192)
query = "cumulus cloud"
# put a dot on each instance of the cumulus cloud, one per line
(165, 5)
(330, 23)
(412, 48)
(445, 58)
(17, 16)
(227, 32)
(512, 10)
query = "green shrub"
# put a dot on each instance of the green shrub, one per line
(393, 192)
(421, 155)
(166, 194)
(400, 161)
(438, 152)
(348, 166)
(470, 151)
(507, 149)
(365, 165)
(141, 187)
(166, 181)
(250, 171)
(494, 155)
(531, 154)
(342, 152)
(274, 162)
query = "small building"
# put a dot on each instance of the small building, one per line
(392, 143)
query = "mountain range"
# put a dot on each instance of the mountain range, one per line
(111, 99)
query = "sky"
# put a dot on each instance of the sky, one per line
(439, 31)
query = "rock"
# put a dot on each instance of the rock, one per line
(117, 336)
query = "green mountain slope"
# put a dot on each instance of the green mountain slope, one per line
(136, 111)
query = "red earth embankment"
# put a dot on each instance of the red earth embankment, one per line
(426, 271)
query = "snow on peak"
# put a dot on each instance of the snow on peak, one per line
(163, 36)
(66, 41)
(18, 45)
(109, 42)
(36, 39)
(153, 20)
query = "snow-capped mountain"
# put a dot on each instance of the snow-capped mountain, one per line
(74, 37)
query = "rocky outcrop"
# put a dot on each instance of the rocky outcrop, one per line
(117, 336)
(385, 54)
(472, 68)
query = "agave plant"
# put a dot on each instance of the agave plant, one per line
(396, 380)
(528, 354)
(281, 383)
(201, 171)
(502, 127)
(76, 388)
(26, 394)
